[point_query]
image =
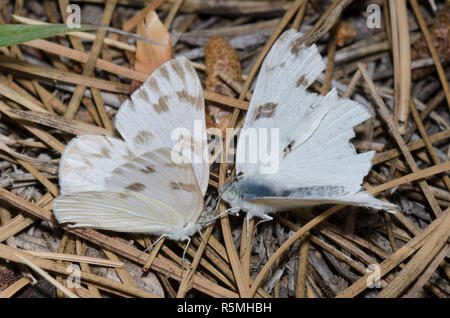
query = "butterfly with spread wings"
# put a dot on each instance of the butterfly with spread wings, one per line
(134, 185)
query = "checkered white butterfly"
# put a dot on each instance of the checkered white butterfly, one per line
(134, 185)
(317, 164)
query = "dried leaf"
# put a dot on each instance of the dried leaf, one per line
(149, 56)
(346, 33)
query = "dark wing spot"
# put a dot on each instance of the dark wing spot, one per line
(142, 137)
(137, 187)
(153, 83)
(294, 50)
(130, 155)
(289, 147)
(302, 81)
(180, 71)
(108, 141)
(185, 97)
(162, 105)
(272, 68)
(140, 93)
(199, 104)
(297, 46)
(265, 111)
(148, 169)
(165, 73)
(183, 186)
(106, 152)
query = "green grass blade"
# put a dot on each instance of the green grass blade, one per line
(12, 34)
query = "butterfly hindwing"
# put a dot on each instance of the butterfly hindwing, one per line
(155, 175)
(147, 192)
(116, 211)
(134, 185)
(88, 159)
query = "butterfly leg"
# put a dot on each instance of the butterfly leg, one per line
(264, 218)
(228, 211)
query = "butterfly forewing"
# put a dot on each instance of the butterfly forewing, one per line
(87, 160)
(155, 175)
(280, 100)
(134, 185)
(120, 211)
(315, 157)
(170, 101)
(150, 188)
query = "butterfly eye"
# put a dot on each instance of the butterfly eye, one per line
(231, 194)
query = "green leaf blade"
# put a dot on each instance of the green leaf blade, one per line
(12, 34)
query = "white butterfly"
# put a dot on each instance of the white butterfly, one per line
(134, 185)
(317, 164)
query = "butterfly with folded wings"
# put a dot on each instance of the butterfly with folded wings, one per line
(317, 164)
(134, 185)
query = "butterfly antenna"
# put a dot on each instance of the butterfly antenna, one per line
(218, 202)
(219, 197)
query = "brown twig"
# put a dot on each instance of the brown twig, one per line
(396, 134)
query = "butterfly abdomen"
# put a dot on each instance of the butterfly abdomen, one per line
(315, 192)
(250, 190)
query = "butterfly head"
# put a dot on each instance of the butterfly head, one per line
(231, 193)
